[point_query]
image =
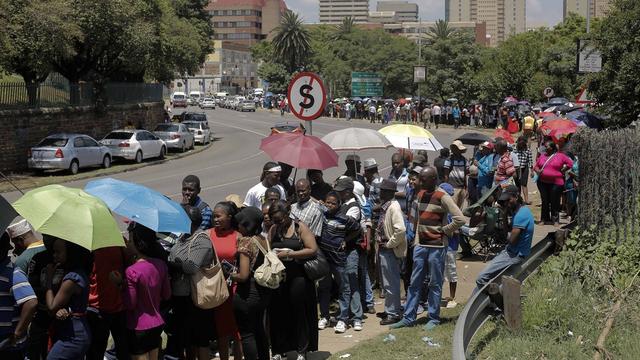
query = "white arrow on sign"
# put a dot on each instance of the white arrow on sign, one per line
(307, 96)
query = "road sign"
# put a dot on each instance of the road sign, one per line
(589, 59)
(548, 92)
(419, 74)
(366, 84)
(584, 97)
(307, 96)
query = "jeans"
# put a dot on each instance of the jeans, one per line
(324, 289)
(503, 260)
(250, 315)
(365, 281)
(390, 267)
(351, 288)
(550, 194)
(101, 324)
(426, 261)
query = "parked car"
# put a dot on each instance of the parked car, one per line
(193, 116)
(179, 100)
(200, 130)
(208, 103)
(135, 145)
(68, 151)
(175, 136)
(247, 105)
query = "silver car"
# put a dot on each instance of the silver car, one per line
(68, 151)
(208, 103)
(247, 105)
(200, 130)
(135, 145)
(176, 136)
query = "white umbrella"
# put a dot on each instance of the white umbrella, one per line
(354, 139)
(410, 137)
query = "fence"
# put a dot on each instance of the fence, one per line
(18, 95)
(609, 186)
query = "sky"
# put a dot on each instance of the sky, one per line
(539, 12)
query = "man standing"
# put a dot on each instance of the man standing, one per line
(306, 210)
(347, 110)
(435, 114)
(439, 163)
(319, 188)
(372, 181)
(456, 171)
(505, 168)
(429, 216)
(25, 244)
(190, 191)
(270, 178)
(455, 112)
(353, 168)
(400, 176)
(426, 117)
(519, 245)
(391, 239)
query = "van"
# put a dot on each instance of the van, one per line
(179, 99)
(258, 92)
(196, 97)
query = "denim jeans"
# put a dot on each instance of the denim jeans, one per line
(427, 261)
(350, 294)
(364, 281)
(390, 268)
(503, 260)
(324, 289)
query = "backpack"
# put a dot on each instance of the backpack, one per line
(271, 272)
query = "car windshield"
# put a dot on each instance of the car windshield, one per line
(118, 135)
(178, 97)
(248, 102)
(195, 117)
(208, 99)
(192, 125)
(167, 127)
(57, 142)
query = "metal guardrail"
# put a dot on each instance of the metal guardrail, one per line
(477, 310)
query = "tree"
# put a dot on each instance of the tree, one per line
(440, 31)
(291, 42)
(345, 28)
(277, 76)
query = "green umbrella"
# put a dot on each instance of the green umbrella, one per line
(70, 214)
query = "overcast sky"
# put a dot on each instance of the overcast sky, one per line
(539, 12)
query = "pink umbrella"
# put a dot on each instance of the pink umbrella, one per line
(300, 151)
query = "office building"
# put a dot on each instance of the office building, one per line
(599, 8)
(503, 18)
(405, 11)
(415, 30)
(383, 17)
(333, 11)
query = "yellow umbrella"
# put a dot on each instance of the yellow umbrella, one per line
(410, 137)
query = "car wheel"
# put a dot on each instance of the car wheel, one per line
(106, 162)
(184, 147)
(139, 156)
(163, 151)
(74, 167)
(193, 144)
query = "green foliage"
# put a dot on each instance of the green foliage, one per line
(291, 42)
(441, 31)
(276, 75)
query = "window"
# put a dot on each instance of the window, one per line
(90, 142)
(78, 142)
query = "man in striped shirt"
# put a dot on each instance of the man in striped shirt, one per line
(18, 304)
(429, 217)
(505, 168)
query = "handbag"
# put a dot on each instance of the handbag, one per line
(536, 176)
(208, 285)
(316, 267)
(271, 272)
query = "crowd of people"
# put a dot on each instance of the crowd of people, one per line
(323, 241)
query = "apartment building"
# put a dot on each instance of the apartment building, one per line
(598, 8)
(404, 10)
(503, 18)
(333, 11)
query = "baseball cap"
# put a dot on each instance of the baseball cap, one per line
(508, 192)
(416, 170)
(369, 163)
(344, 183)
(487, 144)
(459, 145)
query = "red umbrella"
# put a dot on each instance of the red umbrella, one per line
(502, 133)
(300, 151)
(563, 125)
(402, 101)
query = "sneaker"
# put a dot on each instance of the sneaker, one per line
(430, 325)
(357, 325)
(400, 324)
(371, 310)
(340, 327)
(390, 320)
(277, 357)
(301, 357)
(452, 304)
(322, 323)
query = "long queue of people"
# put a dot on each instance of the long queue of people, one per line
(321, 242)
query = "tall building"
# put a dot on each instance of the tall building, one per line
(415, 30)
(333, 11)
(599, 8)
(503, 18)
(405, 11)
(245, 21)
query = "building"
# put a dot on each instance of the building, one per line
(599, 8)
(333, 11)
(405, 11)
(245, 21)
(503, 18)
(383, 17)
(415, 30)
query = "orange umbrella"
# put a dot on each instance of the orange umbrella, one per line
(502, 133)
(562, 125)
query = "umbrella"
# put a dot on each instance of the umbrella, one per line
(473, 138)
(558, 128)
(141, 204)
(356, 98)
(510, 99)
(402, 101)
(452, 100)
(354, 139)
(524, 102)
(509, 103)
(388, 100)
(300, 151)
(502, 133)
(410, 137)
(70, 214)
(565, 108)
(7, 214)
(586, 118)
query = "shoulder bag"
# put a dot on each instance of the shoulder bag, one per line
(536, 176)
(271, 272)
(208, 285)
(315, 267)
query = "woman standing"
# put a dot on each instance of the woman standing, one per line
(250, 300)
(550, 167)
(224, 238)
(293, 310)
(195, 326)
(526, 162)
(72, 335)
(147, 284)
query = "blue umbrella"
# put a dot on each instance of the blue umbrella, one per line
(141, 204)
(585, 117)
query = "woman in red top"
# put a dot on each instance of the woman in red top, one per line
(225, 241)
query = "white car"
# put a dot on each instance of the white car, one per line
(208, 103)
(175, 136)
(134, 145)
(200, 130)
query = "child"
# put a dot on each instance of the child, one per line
(450, 271)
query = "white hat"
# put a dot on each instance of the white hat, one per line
(358, 192)
(369, 163)
(19, 228)
(459, 145)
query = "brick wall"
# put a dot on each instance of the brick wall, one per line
(22, 129)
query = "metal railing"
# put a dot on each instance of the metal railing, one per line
(477, 310)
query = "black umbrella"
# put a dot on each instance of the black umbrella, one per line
(566, 108)
(473, 138)
(7, 213)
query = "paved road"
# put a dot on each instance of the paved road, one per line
(234, 162)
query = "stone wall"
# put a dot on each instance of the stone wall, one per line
(22, 129)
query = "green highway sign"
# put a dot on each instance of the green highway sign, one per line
(366, 84)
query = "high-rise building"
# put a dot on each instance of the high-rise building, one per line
(405, 11)
(503, 18)
(599, 8)
(333, 11)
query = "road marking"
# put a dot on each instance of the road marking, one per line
(238, 127)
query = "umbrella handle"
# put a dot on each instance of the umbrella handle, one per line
(11, 182)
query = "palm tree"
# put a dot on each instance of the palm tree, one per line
(291, 42)
(346, 27)
(441, 31)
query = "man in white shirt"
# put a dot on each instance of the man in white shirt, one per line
(270, 178)
(436, 111)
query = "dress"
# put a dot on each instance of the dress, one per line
(73, 336)
(293, 311)
(225, 245)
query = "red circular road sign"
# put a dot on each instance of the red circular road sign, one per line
(307, 96)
